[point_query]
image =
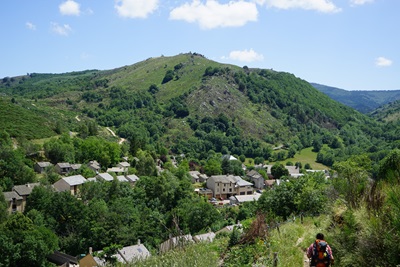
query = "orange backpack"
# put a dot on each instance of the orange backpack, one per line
(321, 256)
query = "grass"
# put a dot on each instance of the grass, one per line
(306, 156)
(195, 255)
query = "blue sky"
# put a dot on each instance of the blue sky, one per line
(350, 44)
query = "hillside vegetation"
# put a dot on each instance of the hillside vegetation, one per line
(388, 113)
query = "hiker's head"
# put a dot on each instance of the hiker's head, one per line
(320, 236)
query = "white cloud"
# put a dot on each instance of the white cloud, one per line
(135, 8)
(325, 6)
(61, 29)
(212, 14)
(383, 62)
(30, 26)
(70, 8)
(360, 2)
(245, 55)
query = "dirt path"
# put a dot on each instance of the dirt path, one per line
(111, 131)
(121, 140)
(305, 258)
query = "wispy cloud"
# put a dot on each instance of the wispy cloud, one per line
(360, 2)
(64, 29)
(30, 26)
(212, 14)
(245, 55)
(383, 62)
(135, 8)
(85, 56)
(325, 6)
(70, 8)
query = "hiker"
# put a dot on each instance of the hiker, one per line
(320, 253)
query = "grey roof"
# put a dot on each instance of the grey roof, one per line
(254, 174)
(194, 174)
(243, 183)
(247, 198)
(94, 164)
(225, 179)
(105, 176)
(76, 166)
(228, 157)
(74, 180)
(132, 178)
(91, 179)
(132, 253)
(63, 165)
(291, 169)
(116, 169)
(204, 237)
(122, 178)
(44, 164)
(60, 258)
(9, 196)
(24, 190)
(124, 164)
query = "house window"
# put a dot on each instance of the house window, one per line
(230, 189)
(249, 192)
(223, 190)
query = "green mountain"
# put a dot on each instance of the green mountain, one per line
(363, 101)
(190, 104)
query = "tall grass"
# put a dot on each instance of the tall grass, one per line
(195, 255)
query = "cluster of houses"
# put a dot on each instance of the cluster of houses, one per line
(231, 189)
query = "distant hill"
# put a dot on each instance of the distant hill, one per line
(388, 113)
(363, 101)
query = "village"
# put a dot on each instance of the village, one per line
(220, 190)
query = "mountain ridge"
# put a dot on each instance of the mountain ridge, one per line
(364, 101)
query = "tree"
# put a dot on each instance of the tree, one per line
(278, 171)
(389, 168)
(57, 150)
(352, 180)
(196, 215)
(24, 243)
(169, 75)
(145, 165)
(213, 167)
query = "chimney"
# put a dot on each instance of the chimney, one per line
(138, 241)
(90, 250)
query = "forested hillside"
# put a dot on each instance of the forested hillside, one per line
(193, 105)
